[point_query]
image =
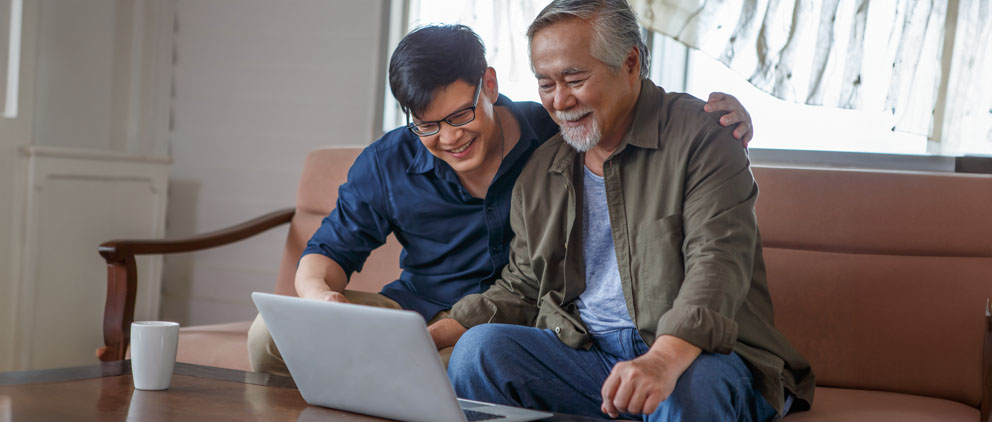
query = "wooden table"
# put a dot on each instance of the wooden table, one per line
(104, 392)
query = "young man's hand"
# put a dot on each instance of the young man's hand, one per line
(638, 386)
(328, 296)
(719, 101)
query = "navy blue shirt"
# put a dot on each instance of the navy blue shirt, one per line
(453, 244)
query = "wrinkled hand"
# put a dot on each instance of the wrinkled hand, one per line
(638, 386)
(328, 296)
(719, 101)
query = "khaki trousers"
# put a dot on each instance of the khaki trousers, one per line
(265, 357)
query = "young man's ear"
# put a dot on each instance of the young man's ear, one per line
(490, 84)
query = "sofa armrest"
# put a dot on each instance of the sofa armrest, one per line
(122, 275)
(987, 365)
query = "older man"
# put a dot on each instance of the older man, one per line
(635, 285)
(441, 184)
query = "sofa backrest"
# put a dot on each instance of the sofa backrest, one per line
(880, 278)
(323, 171)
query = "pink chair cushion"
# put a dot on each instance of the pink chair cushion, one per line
(219, 345)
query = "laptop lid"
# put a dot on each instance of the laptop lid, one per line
(362, 359)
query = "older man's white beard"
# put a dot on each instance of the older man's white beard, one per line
(582, 137)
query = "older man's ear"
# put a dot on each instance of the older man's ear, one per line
(719, 101)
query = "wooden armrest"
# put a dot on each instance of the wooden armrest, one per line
(122, 274)
(116, 250)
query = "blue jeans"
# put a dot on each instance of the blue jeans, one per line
(530, 367)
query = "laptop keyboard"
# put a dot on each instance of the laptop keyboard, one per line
(472, 415)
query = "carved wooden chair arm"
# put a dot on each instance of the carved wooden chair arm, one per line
(122, 275)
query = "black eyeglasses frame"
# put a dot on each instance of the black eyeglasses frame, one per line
(447, 119)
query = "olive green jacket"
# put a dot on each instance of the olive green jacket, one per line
(681, 200)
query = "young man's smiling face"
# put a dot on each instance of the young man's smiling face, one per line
(467, 147)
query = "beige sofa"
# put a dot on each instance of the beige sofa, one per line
(879, 278)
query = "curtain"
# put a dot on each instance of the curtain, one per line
(967, 120)
(880, 55)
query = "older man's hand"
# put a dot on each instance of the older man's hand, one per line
(719, 101)
(638, 386)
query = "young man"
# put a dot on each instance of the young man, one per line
(635, 285)
(442, 185)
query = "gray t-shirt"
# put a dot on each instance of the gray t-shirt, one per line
(601, 306)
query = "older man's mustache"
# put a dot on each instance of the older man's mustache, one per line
(572, 115)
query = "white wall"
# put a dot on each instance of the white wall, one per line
(256, 85)
(83, 68)
(76, 59)
(236, 91)
(13, 133)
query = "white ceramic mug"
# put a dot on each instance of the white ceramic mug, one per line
(153, 353)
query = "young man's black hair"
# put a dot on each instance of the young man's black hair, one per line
(431, 58)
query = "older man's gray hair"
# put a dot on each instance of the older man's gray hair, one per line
(615, 29)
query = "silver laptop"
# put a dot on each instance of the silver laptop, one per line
(369, 360)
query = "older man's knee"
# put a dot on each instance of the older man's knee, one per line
(484, 345)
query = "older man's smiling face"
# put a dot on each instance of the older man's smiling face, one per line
(590, 101)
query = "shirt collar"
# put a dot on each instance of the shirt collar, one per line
(423, 161)
(643, 132)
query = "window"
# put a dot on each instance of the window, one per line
(10, 54)
(785, 125)
(779, 124)
(925, 63)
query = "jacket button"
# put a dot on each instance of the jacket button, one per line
(557, 330)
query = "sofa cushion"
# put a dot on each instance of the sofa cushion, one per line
(909, 324)
(219, 345)
(898, 213)
(843, 405)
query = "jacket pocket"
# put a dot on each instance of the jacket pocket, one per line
(659, 265)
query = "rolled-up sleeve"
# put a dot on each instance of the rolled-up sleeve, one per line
(512, 298)
(719, 245)
(359, 222)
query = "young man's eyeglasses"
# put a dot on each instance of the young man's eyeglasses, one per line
(459, 118)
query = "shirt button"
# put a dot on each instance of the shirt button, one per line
(489, 208)
(557, 330)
